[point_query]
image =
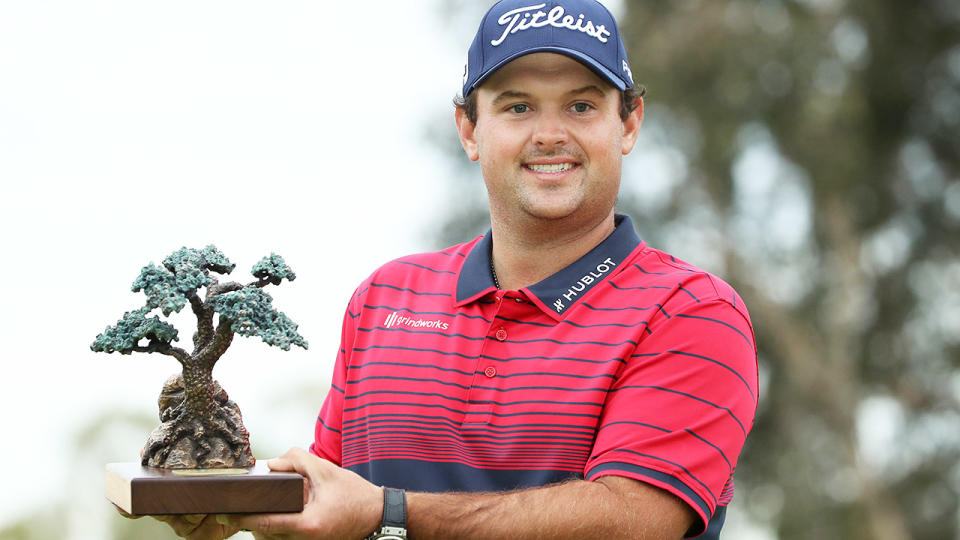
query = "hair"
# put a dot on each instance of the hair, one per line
(628, 102)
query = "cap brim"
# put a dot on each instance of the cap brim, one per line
(597, 68)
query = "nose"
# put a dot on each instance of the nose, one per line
(549, 131)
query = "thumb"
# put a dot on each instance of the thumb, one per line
(280, 464)
(299, 461)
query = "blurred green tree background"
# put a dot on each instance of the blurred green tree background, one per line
(808, 151)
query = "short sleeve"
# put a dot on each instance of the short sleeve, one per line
(327, 439)
(680, 411)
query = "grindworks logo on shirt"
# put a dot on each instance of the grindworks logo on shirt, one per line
(395, 320)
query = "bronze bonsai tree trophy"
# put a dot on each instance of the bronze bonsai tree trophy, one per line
(201, 432)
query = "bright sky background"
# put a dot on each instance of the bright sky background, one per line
(130, 129)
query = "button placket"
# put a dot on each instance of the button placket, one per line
(488, 375)
(484, 371)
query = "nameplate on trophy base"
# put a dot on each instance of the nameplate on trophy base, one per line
(140, 490)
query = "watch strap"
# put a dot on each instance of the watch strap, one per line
(393, 525)
(394, 508)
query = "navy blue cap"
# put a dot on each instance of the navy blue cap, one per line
(581, 29)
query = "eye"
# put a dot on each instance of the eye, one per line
(519, 108)
(581, 107)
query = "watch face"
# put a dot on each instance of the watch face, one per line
(389, 533)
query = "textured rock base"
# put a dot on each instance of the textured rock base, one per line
(183, 442)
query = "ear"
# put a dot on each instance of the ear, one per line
(467, 132)
(631, 127)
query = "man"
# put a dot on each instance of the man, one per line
(555, 378)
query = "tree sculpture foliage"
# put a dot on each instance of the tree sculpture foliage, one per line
(201, 427)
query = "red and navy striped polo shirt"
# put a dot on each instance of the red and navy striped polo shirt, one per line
(628, 362)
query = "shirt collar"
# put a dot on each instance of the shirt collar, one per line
(557, 293)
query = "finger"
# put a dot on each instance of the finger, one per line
(125, 514)
(180, 526)
(302, 462)
(264, 536)
(181, 523)
(185, 524)
(210, 529)
(261, 523)
(285, 462)
(192, 519)
(280, 464)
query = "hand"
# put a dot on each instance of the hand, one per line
(337, 504)
(198, 527)
(191, 526)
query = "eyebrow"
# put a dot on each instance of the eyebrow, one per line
(588, 89)
(508, 95)
(514, 94)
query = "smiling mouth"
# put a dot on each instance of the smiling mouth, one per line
(550, 167)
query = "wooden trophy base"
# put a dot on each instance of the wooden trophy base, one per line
(140, 490)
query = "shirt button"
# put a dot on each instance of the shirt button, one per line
(501, 334)
(490, 372)
(519, 300)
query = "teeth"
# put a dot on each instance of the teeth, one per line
(550, 168)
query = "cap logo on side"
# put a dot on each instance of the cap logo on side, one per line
(521, 19)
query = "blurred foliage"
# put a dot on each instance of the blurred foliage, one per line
(79, 510)
(41, 526)
(807, 151)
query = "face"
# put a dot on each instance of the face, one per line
(549, 139)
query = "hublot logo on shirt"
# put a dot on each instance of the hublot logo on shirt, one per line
(583, 283)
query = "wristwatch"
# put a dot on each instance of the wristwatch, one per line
(394, 523)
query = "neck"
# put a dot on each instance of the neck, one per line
(525, 256)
